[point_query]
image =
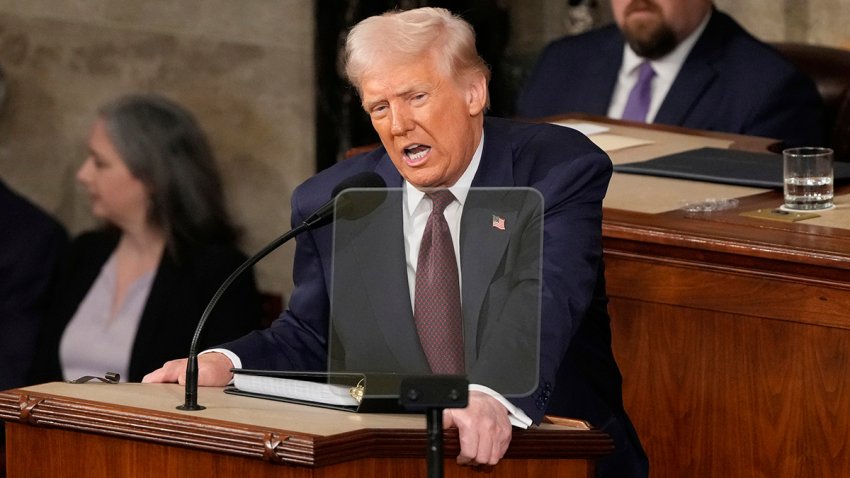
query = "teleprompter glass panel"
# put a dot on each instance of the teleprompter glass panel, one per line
(372, 330)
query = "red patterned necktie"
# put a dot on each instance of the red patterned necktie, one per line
(436, 308)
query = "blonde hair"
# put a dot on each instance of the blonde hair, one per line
(404, 35)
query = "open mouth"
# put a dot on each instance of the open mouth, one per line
(416, 153)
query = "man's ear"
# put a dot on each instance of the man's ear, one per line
(476, 94)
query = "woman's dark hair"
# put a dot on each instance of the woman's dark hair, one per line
(164, 147)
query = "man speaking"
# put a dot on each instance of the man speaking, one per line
(424, 87)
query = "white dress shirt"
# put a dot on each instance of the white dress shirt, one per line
(666, 69)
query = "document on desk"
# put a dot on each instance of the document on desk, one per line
(600, 136)
(587, 129)
(341, 391)
(614, 142)
(299, 389)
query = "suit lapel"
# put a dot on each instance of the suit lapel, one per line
(383, 268)
(496, 167)
(695, 77)
(163, 288)
(481, 244)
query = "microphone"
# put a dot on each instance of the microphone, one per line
(347, 208)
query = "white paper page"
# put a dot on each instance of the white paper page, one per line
(588, 129)
(304, 390)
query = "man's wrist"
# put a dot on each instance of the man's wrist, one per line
(234, 359)
(517, 417)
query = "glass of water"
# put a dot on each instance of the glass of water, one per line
(808, 178)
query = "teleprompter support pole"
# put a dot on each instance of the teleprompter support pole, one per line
(432, 394)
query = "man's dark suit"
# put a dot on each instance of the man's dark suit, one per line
(578, 375)
(31, 244)
(729, 82)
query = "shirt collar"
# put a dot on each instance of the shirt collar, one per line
(460, 189)
(669, 65)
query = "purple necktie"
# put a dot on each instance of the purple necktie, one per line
(436, 308)
(637, 105)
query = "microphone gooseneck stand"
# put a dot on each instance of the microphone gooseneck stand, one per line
(191, 399)
(349, 209)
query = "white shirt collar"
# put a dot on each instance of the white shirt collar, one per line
(668, 66)
(460, 189)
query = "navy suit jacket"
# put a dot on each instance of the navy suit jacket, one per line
(729, 82)
(578, 376)
(30, 247)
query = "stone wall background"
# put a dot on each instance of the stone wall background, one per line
(246, 69)
(536, 22)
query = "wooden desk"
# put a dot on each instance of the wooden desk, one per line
(130, 430)
(732, 333)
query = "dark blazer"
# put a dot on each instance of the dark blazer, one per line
(729, 82)
(179, 294)
(578, 376)
(31, 243)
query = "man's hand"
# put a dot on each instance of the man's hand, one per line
(483, 429)
(213, 371)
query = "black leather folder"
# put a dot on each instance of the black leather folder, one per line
(727, 166)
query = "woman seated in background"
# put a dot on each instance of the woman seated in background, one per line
(130, 294)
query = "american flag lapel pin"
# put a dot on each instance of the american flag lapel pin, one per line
(498, 222)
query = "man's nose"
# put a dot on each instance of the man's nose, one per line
(401, 121)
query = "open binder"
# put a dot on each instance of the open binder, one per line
(352, 392)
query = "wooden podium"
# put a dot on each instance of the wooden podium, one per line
(732, 331)
(128, 430)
